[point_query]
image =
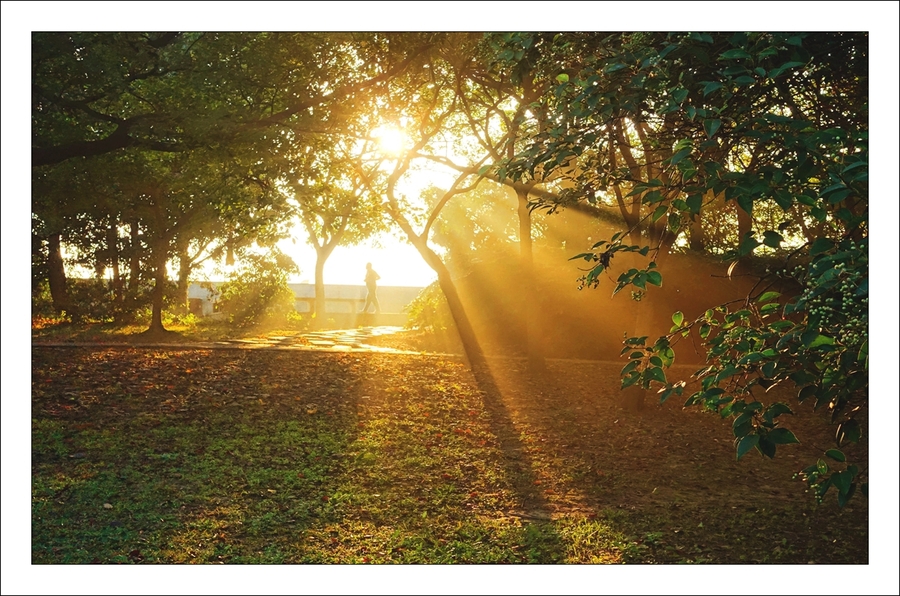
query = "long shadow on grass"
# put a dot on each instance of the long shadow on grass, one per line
(183, 455)
(518, 465)
(668, 480)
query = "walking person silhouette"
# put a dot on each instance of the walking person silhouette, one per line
(371, 299)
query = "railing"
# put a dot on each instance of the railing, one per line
(353, 304)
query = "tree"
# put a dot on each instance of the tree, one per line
(192, 110)
(258, 292)
(331, 200)
(758, 121)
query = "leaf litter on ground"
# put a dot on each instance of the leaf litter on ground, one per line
(249, 456)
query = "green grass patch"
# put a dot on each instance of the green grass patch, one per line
(252, 457)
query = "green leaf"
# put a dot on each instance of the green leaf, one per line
(775, 410)
(562, 78)
(746, 444)
(767, 447)
(711, 126)
(821, 245)
(784, 199)
(651, 197)
(734, 54)
(748, 244)
(695, 203)
(768, 296)
(679, 156)
(668, 356)
(630, 380)
(743, 429)
(659, 212)
(821, 340)
(807, 392)
(656, 374)
(836, 455)
(772, 239)
(841, 481)
(710, 87)
(679, 95)
(678, 317)
(782, 436)
(822, 467)
(776, 72)
(654, 277)
(848, 431)
(751, 358)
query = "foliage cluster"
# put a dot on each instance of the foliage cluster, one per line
(428, 312)
(258, 292)
(151, 150)
(671, 126)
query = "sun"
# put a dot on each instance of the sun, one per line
(391, 140)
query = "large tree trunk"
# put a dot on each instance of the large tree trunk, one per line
(319, 308)
(745, 226)
(112, 244)
(184, 272)
(467, 336)
(57, 276)
(697, 238)
(134, 270)
(531, 311)
(159, 281)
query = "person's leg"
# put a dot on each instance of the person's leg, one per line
(375, 303)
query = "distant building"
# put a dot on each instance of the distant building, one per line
(339, 299)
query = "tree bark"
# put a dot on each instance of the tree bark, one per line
(745, 226)
(159, 274)
(531, 311)
(697, 238)
(184, 272)
(319, 308)
(467, 336)
(134, 271)
(112, 244)
(57, 276)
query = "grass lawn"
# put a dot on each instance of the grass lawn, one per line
(267, 456)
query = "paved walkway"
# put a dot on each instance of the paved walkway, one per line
(342, 340)
(334, 340)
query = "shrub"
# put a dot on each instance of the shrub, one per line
(258, 293)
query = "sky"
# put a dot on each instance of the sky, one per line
(397, 266)
(396, 261)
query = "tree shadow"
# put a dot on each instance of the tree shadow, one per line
(517, 463)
